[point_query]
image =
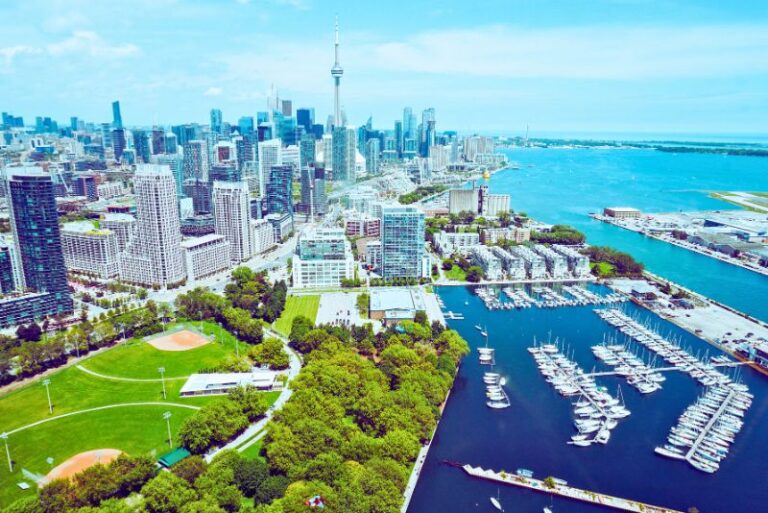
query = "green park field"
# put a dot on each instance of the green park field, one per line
(92, 410)
(295, 306)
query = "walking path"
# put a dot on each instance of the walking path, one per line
(256, 430)
(564, 490)
(133, 380)
(99, 408)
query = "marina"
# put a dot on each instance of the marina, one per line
(643, 377)
(596, 412)
(540, 296)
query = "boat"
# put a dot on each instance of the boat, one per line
(496, 503)
(478, 327)
(547, 510)
(524, 472)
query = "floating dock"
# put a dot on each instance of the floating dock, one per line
(563, 490)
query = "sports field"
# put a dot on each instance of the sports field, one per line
(112, 400)
(295, 306)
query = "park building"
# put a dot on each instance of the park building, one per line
(263, 236)
(222, 383)
(447, 243)
(535, 266)
(578, 264)
(513, 266)
(392, 305)
(484, 258)
(90, 250)
(323, 258)
(122, 225)
(510, 234)
(557, 264)
(206, 255)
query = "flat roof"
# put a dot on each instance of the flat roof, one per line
(217, 381)
(204, 239)
(623, 209)
(396, 298)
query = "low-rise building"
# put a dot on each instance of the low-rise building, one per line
(447, 243)
(578, 264)
(513, 266)
(362, 225)
(622, 212)
(323, 259)
(110, 190)
(395, 304)
(557, 264)
(222, 383)
(206, 255)
(487, 261)
(535, 267)
(511, 233)
(91, 250)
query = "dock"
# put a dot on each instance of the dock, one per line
(563, 490)
(708, 427)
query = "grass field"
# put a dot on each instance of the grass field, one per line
(295, 306)
(456, 273)
(253, 451)
(133, 429)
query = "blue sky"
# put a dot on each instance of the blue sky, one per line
(560, 66)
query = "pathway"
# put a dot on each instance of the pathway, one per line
(99, 408)
(256, 430)
(133, 380)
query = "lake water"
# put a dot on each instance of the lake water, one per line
(563, 186)
(533, 432)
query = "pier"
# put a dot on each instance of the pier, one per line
(708, 427)
(652, 370)
(563, 490)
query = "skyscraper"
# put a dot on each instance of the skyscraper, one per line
(280, 190)
(141, 145)
(305, 117)
(372, 150)
(402, 242)
(35, 226)
(232, 217)
(118, 142)
(270, 154)
(195, 160)
(117, 118)
(344, 153)
(158, 141)
(216, 120)
(153, 257)
(336, 73)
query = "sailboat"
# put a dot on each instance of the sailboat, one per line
(495, 501)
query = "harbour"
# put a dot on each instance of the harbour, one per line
(534, 430)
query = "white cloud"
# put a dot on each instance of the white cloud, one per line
(582, 52)
(89, 43)
(213, 91)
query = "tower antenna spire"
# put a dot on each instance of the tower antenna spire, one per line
(336, 73)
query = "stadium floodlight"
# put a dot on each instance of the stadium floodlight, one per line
(167, 417)
(47, 385)
(161, 370)
(4, 436)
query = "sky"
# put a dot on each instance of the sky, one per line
(569, 67)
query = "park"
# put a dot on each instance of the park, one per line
(114, 401)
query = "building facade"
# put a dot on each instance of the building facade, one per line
(232, 217)
(402, 242)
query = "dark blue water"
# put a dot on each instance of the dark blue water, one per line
(563, 186)
(533, 432)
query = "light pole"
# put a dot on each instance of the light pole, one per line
(237, 344)
(167, 417)
(161, 370)
(47, 385)
(4, 436)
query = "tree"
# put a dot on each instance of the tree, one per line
(271, 353)
(29, 333)
(474, 274)
(190, 468)
(421, 317)
(271, 488)
(300, 326)
(362, 303)
(167, 493)
(249, 475)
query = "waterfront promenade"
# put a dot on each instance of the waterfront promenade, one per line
(564, 490)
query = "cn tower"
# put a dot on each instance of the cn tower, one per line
(336, 73)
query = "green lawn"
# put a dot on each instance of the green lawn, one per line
(253, 451)
(137, 359)
(133, 429)
(295, 306)
(604, 269)
(456, 273)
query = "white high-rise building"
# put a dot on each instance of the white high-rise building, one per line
(90, 250)
(263, 235)
(205, 255)
(123, 225)
(270, 154)
(232, 217)
(153, 257)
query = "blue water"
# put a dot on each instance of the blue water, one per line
(533, 432)
(563, 186)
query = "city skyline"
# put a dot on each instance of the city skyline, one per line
(688, 67)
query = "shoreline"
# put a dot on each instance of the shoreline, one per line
(689, 246)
